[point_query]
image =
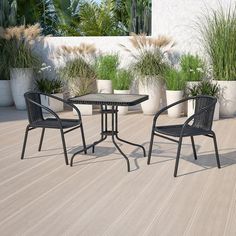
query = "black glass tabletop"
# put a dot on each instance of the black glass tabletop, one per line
(109, 99)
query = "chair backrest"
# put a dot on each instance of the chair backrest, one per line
(34, 111)
(205, 119)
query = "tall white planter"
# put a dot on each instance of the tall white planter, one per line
(153, 90)
(174, 96)
(123, 110)
(5, 93)
(21, 82)
(104, 86)
(227, 98)
(52, 103)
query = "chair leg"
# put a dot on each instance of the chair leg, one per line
(64, 147)
(194, 149)
(83, 139)
(177, 157)
(216, 150)
(150, 148)
(25, 140)
(41, 139)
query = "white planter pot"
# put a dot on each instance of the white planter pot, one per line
(21, 82)
(191, 109)
(52, 103)
(174, 96)
(189, 84)
(104, 86)
(5, 93)
(123, 110)
(153, 90)
(85, 109)
(227, 98)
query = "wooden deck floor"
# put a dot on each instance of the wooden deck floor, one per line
(42, 196)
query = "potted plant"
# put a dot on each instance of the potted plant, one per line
(7, 18)
(175, 85)
(193, 68)
(149, 64)
(5, 89)
(54, 87)
(205, 87)
(121, 84)
(193, 71)
(218, 33)
(20, 59)
(106, 67)
(49, 86)
(80, 76)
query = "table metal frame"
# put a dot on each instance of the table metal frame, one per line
(105, 132)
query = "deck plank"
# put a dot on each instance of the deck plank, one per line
(42, 196)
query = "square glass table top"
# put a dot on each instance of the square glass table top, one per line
(109, 99)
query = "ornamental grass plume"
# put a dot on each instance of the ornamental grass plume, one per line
(20, 33)
(84, 49)
(141, 44)
(149, 55)
(19, 41)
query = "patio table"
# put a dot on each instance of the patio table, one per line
(114, 101)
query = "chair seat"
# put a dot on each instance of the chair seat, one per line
(175, 130)
(53, 123)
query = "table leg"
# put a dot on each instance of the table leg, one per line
(113, 132)
(125, 141)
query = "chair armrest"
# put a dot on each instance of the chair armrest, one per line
(47, 109)
(64, 101)
(169, 106)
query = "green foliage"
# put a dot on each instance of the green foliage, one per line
(23, 57)
(8, 13)
(174, 79)
(80, 76)
(67, 17)
(218, 30)
(150, 63)
(4, 69)
(134, 15)
(49, 86)
(41, 11)
(98, 19)
(106, 66)
(122, 80)
(192, 67)
(77, 68)
(205, 87)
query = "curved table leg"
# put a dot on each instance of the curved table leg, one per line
(118, 148)
(114, 134)
(134, 144)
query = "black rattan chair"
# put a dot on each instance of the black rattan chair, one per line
(37, 120)
(200, 123)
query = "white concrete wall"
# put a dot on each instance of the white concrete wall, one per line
(103, 44)
(177, 18)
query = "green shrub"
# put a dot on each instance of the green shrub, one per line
(49, 86)
(174, 79)
(106, 66)
(122, 80)
(193, 67)
(80, 76)
(205, 87)
(218, 34)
